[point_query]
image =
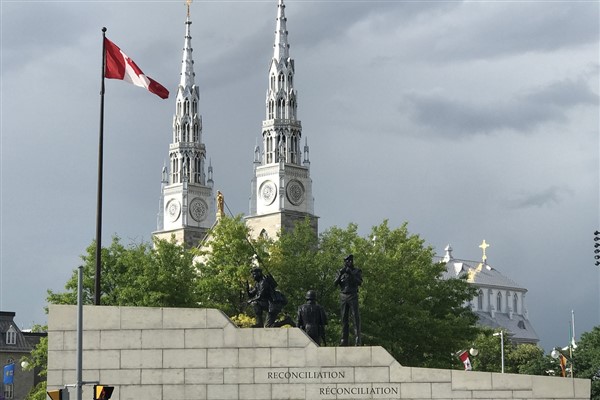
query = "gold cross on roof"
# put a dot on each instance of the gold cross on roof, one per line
(484, 246)
(188, 2)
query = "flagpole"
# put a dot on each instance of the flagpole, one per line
(100, 167)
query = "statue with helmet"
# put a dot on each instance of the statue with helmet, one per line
(349, 278)
(312, 318)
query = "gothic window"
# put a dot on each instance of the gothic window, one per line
(271, 109)
(480, 300)
(194, 107)
(186, 106)
(515, 302)
(195, 132)
(178, 108)
(280, 80)
(290, 80)
(264, 234)
(499, 301)
(294, 149)
(186, 134)
(272, 81)
(281, 109)
(11, 336)
(175, 169)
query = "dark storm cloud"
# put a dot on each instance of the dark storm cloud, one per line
(485, 30)
(522, 113)
(548, 197)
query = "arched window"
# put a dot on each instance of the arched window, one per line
(499, 302)
(480, 300)
(515, 303)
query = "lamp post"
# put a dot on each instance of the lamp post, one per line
(501, 334)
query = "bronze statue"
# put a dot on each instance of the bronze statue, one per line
(349, 279)
(312, 318)
(264, 297)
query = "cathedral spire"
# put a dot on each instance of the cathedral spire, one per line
(281, 46)
(187, 197)
(187, 63)
(281, 188)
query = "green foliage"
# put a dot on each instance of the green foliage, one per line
(37, 361)
(586, 358)
(145, 275)
(518, 359)
(409, 308)
(225, 264)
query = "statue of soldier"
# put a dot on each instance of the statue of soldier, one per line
(312, 318)
(349, 279)
(264, 297)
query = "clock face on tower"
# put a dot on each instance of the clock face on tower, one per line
(173, 209)
(295, 192)
(198, 210)
(268, 192)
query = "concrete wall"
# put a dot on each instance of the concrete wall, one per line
(177, 354)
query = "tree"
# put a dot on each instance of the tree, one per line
(37, 361)
(586, 358)
(145, 275)
(224, 266)
(405, 296)
(523, 358)
(403, 293)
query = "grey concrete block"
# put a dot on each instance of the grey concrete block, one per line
(208, 376)
(492, 394)
(443, 390)
(100, 317)
(270, 337)
(511, 382)
(184, 318)
(288, 357)
(90, 340)
(238, 375)
(254, 392)
(237, 337)
(320, 356)
(222, 358)
(431, 375)
(171, 376)
(260, 357)
(102, 359)
(141, 358)
(416, 390)
(222, 392)
(163, 339)
(471, 380)
(133, 318)
(398, 373)
(288, 391)
(183, 392)
(353, 356)
(62, 318)
(121, 339)
(217, 319)
(371, 374)
(381, 357)
(121, 377)
(184, 358)
(551, 387)
(298, 338)
(137, 392)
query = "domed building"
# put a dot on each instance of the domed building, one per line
(500, 301)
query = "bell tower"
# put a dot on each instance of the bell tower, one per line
(187, 205)
(281, 188)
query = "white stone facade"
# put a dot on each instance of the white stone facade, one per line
(185, 354)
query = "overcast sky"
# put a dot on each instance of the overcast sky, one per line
(470, 120)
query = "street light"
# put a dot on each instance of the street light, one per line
(501, 334)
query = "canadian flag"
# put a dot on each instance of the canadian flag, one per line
(119, 66)
(464, 357)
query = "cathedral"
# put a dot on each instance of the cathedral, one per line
(281, 187)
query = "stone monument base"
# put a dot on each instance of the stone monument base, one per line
(193, 354)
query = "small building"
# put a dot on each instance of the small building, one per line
(15, 344)
(500, 301)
